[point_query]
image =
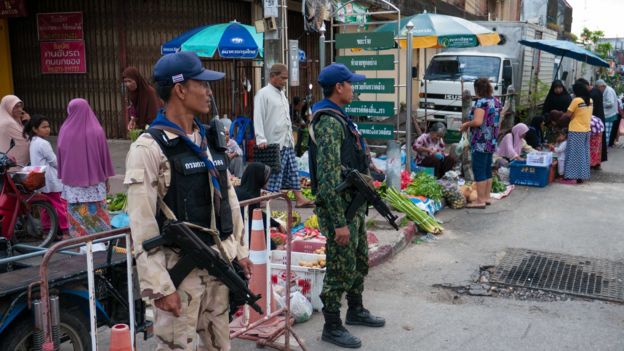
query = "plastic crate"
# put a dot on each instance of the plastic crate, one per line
(309, 280)
(307, 246)
(521, 174)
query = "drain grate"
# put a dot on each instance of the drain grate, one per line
(573, 275)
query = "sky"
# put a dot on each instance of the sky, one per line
(605, 15)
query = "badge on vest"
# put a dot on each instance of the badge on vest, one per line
(190, 165)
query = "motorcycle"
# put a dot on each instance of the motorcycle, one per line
(26, 217)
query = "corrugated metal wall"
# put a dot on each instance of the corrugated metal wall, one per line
(309, 70)
(117, 33)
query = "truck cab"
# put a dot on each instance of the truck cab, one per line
(449, 73)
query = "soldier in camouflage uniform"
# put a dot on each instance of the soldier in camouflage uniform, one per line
(336, 145)
(199, 306)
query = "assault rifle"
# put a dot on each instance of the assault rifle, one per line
(364, 194)
(195, 253)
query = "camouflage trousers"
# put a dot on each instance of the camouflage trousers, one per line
(346, 265)
(205, 307)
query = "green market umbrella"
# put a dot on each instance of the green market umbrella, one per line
(440, 31)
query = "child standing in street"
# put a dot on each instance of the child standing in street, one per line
(41, 154)
(560, 149)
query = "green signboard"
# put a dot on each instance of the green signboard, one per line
(368, 40)
(368, 62)
(370, 108)
(458, 41)
(375, 86)
(376, 131)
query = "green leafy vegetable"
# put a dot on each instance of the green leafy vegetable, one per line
(425, 185)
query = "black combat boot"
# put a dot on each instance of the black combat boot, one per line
(335, 333)
(358, 315)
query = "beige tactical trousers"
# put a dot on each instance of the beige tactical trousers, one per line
(205, 307)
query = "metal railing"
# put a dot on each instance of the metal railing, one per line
(46, 318)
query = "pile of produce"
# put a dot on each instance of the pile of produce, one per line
(319, 263)
(413, 212)
(454, 198)
(117, 202)
(425, 185)
(320, 251)
(469, 191)
(311, 222)
(134, 134)
(278, 238)
(307, 193)
(308, 233)
(282, 216)
(497, 185)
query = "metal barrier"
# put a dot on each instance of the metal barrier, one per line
(46, 317)
(287, 330)
(46, 306)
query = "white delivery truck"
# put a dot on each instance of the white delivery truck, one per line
(506, 64)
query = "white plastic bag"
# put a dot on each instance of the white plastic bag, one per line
(464, 143)
(300, 307)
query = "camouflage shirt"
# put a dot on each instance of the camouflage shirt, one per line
(329, 136)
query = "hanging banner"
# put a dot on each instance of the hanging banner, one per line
(376, 131)
(374, 86)
(368, 62)
(366, 40)
(458, 41)
(62, 57)
(370, 108)
(293, 70)
(60, 26)
(13, 8)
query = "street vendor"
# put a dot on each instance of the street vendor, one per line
(429, 148)
(513, 145)
(336, 144)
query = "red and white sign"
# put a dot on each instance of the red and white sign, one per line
(13, 8)
(60, 26)
(63, 57)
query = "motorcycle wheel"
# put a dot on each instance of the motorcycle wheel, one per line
(74, 333)
(29, 228)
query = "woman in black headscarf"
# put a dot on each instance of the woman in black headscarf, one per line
(557, 99)
(535, 135)
(255, 177)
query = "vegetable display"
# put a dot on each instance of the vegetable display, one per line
(425, 185)
(413, 212)
(117, 202)
(134, 134)
(497, 185)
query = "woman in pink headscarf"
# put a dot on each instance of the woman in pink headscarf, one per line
(12, 115)
(513, 144)
(84, 168)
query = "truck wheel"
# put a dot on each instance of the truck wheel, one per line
(74, 333)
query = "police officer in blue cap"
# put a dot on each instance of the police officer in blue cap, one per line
(172, 162)
(336, 145)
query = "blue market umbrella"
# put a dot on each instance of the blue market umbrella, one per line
(565, 49)
(231, 40)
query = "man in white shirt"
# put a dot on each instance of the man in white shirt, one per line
(610, 105)
(272, 125)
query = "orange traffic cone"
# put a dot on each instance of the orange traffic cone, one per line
(120, 338)
(258, 256)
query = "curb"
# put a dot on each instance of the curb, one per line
(384, 253)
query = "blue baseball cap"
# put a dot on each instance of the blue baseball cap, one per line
(338, 73)
(180, 67)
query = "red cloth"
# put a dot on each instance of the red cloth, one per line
(595, 149)
(60, 205)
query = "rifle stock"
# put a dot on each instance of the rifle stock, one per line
(197, 254)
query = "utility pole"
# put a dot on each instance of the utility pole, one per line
(274, 37)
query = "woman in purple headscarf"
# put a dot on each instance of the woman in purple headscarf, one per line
(84, 168)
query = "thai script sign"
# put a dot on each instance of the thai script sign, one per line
(60, 26)
(63, 57)
(367, 62)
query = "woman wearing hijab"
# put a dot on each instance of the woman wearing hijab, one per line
(557, 99)
(84, 166)
(144, 103)
(535, 136)
(513, 144)
(12, 117)
(255, 177)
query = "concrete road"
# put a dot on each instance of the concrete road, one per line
(578, 220)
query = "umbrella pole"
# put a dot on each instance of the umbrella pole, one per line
(558, 67)
(234, 82)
